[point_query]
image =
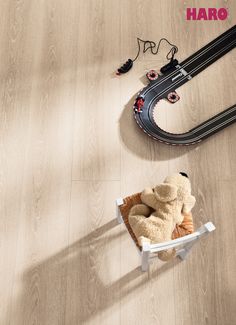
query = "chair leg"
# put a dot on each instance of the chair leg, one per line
(145, 256)
(182, 253)
(145, 261)
(203, 230)
(119, 202)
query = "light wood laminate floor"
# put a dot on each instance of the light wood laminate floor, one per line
(69, 147)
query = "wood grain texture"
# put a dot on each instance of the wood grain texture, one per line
(69, 147)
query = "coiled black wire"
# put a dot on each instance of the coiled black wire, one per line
(154, 48)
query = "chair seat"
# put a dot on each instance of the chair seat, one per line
(184, 229)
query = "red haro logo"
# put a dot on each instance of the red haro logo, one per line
(206, 13)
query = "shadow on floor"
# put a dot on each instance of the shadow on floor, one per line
(67, 289)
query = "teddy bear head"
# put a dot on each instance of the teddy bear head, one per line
(181, 181)
(172, 186)
(176, 187)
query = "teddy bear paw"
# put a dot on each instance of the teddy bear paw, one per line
(142, 240)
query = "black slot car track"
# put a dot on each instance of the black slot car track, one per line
(174, 78)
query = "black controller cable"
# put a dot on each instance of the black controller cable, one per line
(153, 48)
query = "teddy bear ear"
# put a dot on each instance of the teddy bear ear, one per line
(166, 192)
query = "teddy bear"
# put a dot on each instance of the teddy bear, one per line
(161, 210)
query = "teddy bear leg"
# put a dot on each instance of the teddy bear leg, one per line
(135, 221)
(167, 255)
(138, 213)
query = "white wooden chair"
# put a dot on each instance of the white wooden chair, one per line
(183, 245)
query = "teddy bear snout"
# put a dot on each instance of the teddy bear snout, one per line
(184, 174)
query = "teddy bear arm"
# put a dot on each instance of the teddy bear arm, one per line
(148, 197)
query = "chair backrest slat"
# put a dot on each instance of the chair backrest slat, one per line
(208, 227)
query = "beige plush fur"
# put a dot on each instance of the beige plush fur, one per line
(169, 201)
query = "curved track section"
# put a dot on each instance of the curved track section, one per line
(176, 77)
